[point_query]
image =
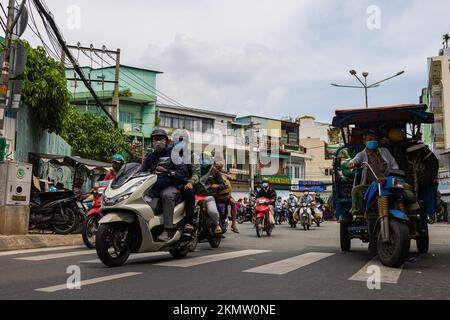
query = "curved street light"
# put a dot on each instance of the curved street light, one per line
(364, 84)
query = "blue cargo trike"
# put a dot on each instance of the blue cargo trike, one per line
(386, 224)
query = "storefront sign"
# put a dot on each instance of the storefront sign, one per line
(316, 186)
(278, 179)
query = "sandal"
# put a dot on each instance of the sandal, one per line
(234, 229)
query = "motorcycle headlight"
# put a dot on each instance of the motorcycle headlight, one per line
(123, 196)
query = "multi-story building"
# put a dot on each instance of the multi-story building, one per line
(315, 137)
(438, 97)
(137, 97)
(217, 132)
(280, 153)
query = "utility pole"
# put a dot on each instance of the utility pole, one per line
(115, 100)
(5, 67)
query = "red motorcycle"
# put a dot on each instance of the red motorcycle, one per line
(264, 221)
(90, 224)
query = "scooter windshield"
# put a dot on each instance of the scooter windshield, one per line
(127, 171)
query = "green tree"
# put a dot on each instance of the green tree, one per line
(45, 88)
(93, 137)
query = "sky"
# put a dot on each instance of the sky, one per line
(272, 58)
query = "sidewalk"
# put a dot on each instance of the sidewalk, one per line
(38, 240)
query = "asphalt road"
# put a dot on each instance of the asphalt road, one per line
(291, 264)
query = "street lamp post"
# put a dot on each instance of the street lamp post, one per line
(364, 84)
(143, 143)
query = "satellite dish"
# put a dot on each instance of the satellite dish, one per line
(22, 23)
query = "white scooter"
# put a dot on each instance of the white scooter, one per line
(133, 221)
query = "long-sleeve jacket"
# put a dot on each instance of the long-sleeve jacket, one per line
(269, 193)
(178, 173)
(364, 157)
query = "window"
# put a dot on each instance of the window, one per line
(297, 173)
(207, 124)
(126, 117)
(328, 172)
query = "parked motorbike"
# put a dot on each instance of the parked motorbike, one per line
(93, 216)
(305, 215)
(57, 211)
(264, 220)
(133, 221)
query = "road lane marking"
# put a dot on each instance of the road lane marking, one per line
(89, 282)
(189, 262)
(288, 265)
(388, 275)
(57, 255)
(16, 252)
(137, 256)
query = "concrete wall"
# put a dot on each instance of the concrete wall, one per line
(309, 128)
(31, 138)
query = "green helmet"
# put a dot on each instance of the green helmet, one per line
(118, 158)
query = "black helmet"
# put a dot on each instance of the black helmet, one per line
(159, 132)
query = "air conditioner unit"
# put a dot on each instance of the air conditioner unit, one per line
(15, 183)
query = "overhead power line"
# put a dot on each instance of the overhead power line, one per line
(61, 41)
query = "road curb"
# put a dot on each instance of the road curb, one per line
(35, 241)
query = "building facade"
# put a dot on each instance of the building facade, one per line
(437, 94)
(137, 97)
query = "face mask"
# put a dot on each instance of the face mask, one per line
(265, 185)
(372, 145)
(206, 163)
(159, 146)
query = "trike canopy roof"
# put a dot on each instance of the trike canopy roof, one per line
(372, 117)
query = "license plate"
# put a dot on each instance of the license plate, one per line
(19, 198)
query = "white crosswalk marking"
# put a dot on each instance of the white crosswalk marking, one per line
(388, 275)
(136, 256)
(89, 282)
(57, 255)
(17, 252)
(288, 265)
(189, 262)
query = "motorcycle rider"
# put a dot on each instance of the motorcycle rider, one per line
(292, 200)
(309, 200)
(210, 184)
(225, 195)
(170, 182)
(117, 163)
(279, 213)
(266, 191)
(380, 159)
(182, 148)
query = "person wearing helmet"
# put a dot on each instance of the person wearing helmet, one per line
(225, 196)
(292, 199)
(211, 184)
(117, 163)
(267, 192)
(172, 177)
(182, 150)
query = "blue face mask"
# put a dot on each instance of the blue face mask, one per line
(206, 163)
(372, 145)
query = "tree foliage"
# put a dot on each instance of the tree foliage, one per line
(45, 89)
(93, 137)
